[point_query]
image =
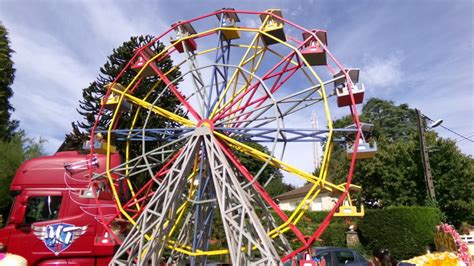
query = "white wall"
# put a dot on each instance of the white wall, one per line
(321, 203)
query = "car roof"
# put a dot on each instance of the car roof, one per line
(331, 248)
(319, 250)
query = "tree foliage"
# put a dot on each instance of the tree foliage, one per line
(276, 186)
(453, 177)
(7, 75)
(12, 154)
(89, 105)
(395, 177)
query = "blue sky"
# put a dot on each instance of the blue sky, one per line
(415, 52)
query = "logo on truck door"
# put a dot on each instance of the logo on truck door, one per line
(58, 237)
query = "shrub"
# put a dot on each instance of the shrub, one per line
(334, 235)
(406, 231)
(318, 216)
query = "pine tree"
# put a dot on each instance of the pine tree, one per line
(7, 75)
(89, 106)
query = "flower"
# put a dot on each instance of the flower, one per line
(463, 251)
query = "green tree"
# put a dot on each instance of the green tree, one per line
(12, 154)
(89, 105)
(394, 177)
(7, 75)
(453, 177)
(276, 186)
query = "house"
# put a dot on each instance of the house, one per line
(288, 201)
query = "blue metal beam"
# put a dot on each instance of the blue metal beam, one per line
(244, 134)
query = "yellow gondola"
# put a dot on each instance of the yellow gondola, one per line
(113, 101)
(229, 26)
(272, 26)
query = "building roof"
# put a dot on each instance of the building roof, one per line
(296, 193)
(302, 191)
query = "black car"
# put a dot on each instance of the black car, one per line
(335, 256)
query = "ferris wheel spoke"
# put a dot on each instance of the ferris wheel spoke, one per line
(287, 105)
(150, 65)
(152, 163)
(278, 74)
(198, 82)
(271, 135)
(261, 116)
(141, 197)
(176, 92)
(260, 190)
(263, 157)
(255, 109)
(252, 59)
(135, 166)
(158, 110)
(220, 70)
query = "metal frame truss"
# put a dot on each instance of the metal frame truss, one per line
(195, 183)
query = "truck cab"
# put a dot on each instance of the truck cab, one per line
(54, 216)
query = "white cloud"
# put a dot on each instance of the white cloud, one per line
(252, 23)
(48, 84)
(382, 73)
(111, 25)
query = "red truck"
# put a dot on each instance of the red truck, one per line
(54, 216)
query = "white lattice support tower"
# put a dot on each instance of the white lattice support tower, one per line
(149, 236)
(246, 232)
(242, 225)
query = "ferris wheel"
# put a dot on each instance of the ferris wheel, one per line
(244, 77)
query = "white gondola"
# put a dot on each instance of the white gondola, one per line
(365, 150)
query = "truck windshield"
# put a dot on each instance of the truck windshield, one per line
(42, 208)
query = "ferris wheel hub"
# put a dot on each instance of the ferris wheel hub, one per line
(206, 123)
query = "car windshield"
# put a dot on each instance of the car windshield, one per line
(344, 257)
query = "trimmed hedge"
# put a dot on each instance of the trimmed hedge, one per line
(405, 231)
